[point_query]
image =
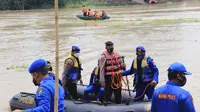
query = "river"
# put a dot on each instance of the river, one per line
(169, 32)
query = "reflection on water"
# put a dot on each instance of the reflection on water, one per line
(28, 35)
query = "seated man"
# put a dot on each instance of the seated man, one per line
(51, 74)
(97, 15)
(50, 71)
(90, 13)
(94, 86)
(103, 14)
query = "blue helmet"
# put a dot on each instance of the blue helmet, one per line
(178, 67)
(38, 66)
(140, 48)
(75, 48)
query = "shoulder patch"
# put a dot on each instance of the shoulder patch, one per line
(153, 62)
(102, 59)
(191, 99)
(150, 60)
(40, 92)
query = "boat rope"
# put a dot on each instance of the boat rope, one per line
(117, 83)
(116, 80)
(138, 96)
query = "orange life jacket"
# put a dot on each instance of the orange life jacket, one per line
(90, 13)
(97, 15)
(112, 64)
(84, 9)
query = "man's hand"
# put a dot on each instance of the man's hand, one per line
(124, 65)
(120, 72)
(103, 84)
(81, 82)
(153, 83)
(17, 110)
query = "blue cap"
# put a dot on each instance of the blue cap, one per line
(75, 48)
(178, 67)
(37, 65)
(140, 48)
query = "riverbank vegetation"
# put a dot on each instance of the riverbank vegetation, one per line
(29, 4)
(44, 4)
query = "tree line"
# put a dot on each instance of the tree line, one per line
(33, 4)
(44, 4)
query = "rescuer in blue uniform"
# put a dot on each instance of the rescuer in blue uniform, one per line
(146, 74)
(50, 72)
(171, 97)
(72, 72)
(94, 86)
(44, 97)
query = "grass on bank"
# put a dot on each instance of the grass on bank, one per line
(23, 66)
(174, 21)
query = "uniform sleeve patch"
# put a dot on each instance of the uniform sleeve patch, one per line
(167, 96)
(102, 59)
(153, 63)
(40, 91)
(191, 99)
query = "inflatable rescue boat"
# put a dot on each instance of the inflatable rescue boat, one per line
(25, 100)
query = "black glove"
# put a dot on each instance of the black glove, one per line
(97, 81)
(134, 88)
(79, 77)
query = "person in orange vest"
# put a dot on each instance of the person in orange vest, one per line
(84, 10)
(110, 65)
(97, 15)
(90, 13)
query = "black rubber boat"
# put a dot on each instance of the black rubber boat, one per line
(25, 100)
(91, 18)
(151, 1)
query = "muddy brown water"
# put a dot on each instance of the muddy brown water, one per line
(169, 32)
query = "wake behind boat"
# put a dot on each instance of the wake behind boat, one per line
(25, 100)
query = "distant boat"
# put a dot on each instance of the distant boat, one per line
(151, 1)
(91, 18)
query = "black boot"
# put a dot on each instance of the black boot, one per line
(105, 103)
(99, 101)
